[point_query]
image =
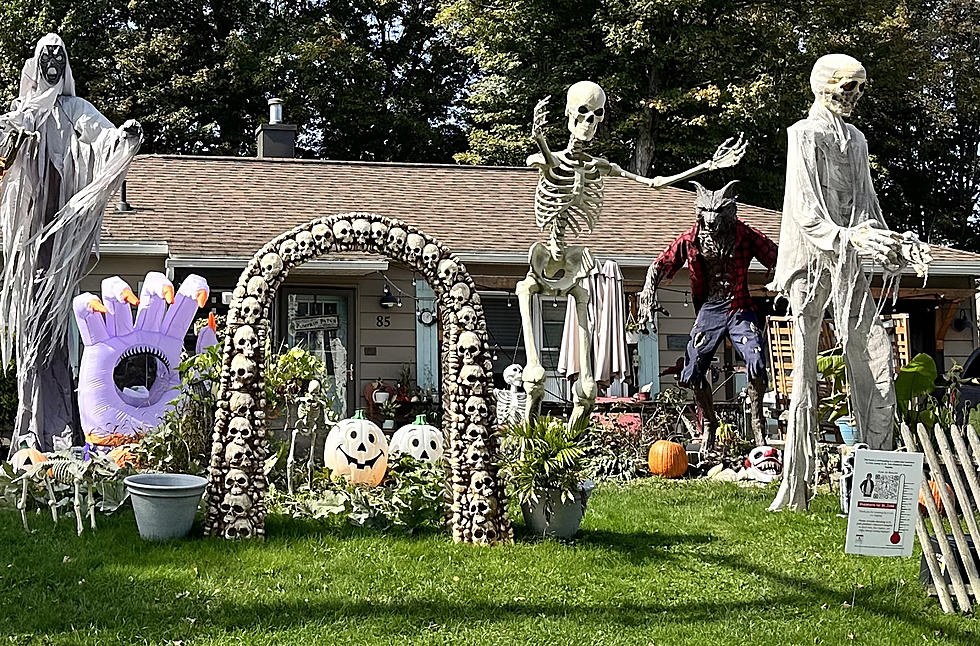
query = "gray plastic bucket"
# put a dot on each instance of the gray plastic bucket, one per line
(165, 503)
(565, 518)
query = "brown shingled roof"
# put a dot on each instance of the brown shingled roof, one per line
(231, 206)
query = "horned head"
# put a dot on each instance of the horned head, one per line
(716, 210)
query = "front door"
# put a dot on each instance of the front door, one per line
(320, 322)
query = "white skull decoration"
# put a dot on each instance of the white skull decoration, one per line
(468, 347)
(342, 232)
(448, 270)
(250, 310)
(467, 317)
(472, 378)
(430, 256)
(459, 295)
(304, 245)
(513, 374)
(257, 287)
(322, 236)
(362, 232)
(288, 250)
(413, 247)
(245, 340)
(379, 233)
(242, 371)
(271, 265)
(476, 409)
(240, 428)
(838, 81)
(235, 506)
(585, 109)
(396, 239)
(236, 481)
(236, 453)
(241, 403)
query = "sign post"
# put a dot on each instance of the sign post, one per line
(884, 503)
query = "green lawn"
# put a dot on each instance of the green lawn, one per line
(664, 563)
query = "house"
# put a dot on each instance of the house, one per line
(209, 215)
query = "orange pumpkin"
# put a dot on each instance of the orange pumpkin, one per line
(667, 459)
(27, 457)
(934, 488)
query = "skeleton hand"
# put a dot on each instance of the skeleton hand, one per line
(540, 118)
(147, 351)
(915, 253)
(879, 244)
(728, 154)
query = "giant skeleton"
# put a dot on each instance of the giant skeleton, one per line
(832, 222)
(569, 199)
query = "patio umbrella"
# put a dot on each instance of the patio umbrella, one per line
(569, 357)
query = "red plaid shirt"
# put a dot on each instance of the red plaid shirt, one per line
(749, 243)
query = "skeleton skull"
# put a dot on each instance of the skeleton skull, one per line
(585, 109)
(240, 427)
(413, 247)
(475, 432)
(838, 81)
(472, 378)
(467, 318)
(430, 256)
(304, 245)
(235, 506)
(468, 347)
(459, 295)
(271, 265)
(241, 528)
(379, 233)
(242, 372)
(250, 310)
(476, 409)
(257, 287)
(245, 340)
(241, 403)
(289, 250)
(236, 453)
(236, 481)
(322, 236)
(448, 270)
(396, 239)
(342, 232)
(481, 484)
(362, 232)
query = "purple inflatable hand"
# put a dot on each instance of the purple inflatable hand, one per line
(128, 373)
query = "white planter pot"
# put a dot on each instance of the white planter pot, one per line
(565, 517)
(380, 396)
(632, 338)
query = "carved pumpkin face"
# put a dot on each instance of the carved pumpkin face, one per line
(357, 450)
(419, 440)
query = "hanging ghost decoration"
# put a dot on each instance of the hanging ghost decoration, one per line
(51, 206)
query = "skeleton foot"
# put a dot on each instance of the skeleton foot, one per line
(52, 500)
(77, 505)
(22, 505)
(309, 462)
(91, 506)
(289, 463)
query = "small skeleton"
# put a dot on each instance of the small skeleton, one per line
(65, 470)
(569, 198)
(510, 401)
(311, 415)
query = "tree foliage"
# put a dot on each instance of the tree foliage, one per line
(681, 75)
(364, 79)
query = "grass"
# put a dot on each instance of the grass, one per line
(666, 563)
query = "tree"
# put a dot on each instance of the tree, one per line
(681, 75)
(364, 79)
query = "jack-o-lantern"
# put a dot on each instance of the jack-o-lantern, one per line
(356, 449)
(419, 439)
(667, 459)
(27, 457)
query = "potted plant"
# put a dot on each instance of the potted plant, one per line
(544, 464)
(833, 407)
(632, 332)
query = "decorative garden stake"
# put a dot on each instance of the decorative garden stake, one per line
(240, 446)
(569, 199)
(717, 251)
(831, 222)
(51, 209)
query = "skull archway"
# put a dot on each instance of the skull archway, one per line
(236, 506)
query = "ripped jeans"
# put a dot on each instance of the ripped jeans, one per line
(715, 320)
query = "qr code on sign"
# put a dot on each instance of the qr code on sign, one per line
(885, 487)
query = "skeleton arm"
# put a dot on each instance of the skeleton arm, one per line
(537, 133)
(727, 154)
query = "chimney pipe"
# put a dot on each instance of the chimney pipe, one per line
(275, 110)
(276, 139)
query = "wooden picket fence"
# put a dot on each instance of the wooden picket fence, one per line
(953, 463)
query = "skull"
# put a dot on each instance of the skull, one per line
(250, 310)
(342, 232)
(379, 233)
(245, 340)
(242, 372)
(475, 432)
(413, 247)
(235, 506)
(396, 239)
(585, 109)
(481, 484)
(467, 318)
(241, 528)
(476, 409)
(257, 287)
(430, 256)
(481, 508)
(362, 232)
(472, 378)
(271, 265)
(322, 236)
(241, 403)
(484, 535)
(289, 250)
(304, 245)
(236, 453)
(448, 270)
(468, 346)
(459, 295)
(240, 427)
(838, 81)
(236, 481)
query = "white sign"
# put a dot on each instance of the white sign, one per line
(312, 323)
(884, 503)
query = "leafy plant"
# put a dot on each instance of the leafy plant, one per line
(617, 446)
(832, 369)
(914, 389)
(542, 456)
(288, 375)
(8, 400)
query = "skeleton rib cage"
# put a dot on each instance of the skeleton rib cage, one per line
(568, 197)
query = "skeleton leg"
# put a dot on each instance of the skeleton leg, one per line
(799, 465)
(91, 505)
(309, 462)
(290, 460)
(52, 501)
(585, 386)
(22, 505)
(77, 505)
(533, 375)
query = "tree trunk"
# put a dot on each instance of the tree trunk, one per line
(645, 146)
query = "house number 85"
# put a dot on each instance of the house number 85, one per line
(383, 321)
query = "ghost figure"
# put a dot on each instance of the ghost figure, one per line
(51, 207)
(831, 221)
(511, 401)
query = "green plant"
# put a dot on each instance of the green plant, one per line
(288, 375)
(8, 400)
(543, 455)
(832, 369)
(617, 446)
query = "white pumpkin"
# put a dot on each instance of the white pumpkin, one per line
(356, 449)
(419, 439)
